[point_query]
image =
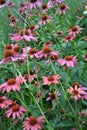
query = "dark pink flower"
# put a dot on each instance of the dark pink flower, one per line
(44, 8)
(4, 102)
(30, 77)
(53, 79)
(32, 123)
(46, 52)
(33, 53)
(15, 111)
(45, 19)
(11, 84)
(23, 34)
(75, 30)
(68, 38)
(63, 8)
(69, 61)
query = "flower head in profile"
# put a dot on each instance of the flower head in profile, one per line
(62, 9)
(52, 79)
(77, 91)
(30, 77)
(33, 53)
(52, 96)
(44, 8)
(15, 111)
(69, 61)
(11, 84)
(75, 30)
(32, 123)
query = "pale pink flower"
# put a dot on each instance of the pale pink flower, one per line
(23, 34)
(34, 3)
(50, 3)
(4, 102)
(45, 19)
(69, 61)
(85, 57)
(75, 30)
(68, 38)
(15, 111)
(52, 79)
(32, 123)
(11, 84)
(63, 9)
(77, 91)
(52, 96)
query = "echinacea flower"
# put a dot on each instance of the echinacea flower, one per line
(33, 27)
(83, 113)
(45, 19)
(11, 84)
(2, 3)
(52, 96)
(3, 102)
(45, 52)
(15, 111)
(75, 30)
(68, 38)
(13, 20)
(23, 34)
(44, 8)
(34, 3)
(85, 57)
(52, 79)
(33, 53)
(23, 7)
(30, 77)
(69, 61)
(32, 123)
(62, 9)
(77, 91)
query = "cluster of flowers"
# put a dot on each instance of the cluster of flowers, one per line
(15, 53)
(15, 111)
